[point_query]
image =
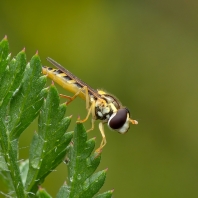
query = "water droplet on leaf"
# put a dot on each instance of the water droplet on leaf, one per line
(71, 179)
(79, 177)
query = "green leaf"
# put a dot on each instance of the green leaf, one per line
(12, 79)
(5, 176)
(93, 184)
(64, 191)
(49, 145)
(21, 97)
(24, 166)
(4, 58)
(83, 183)
(41, 193)
(107, 194)
(81, 164)
(28, 99)
(3, 164)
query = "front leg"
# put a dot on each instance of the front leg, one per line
(91, 110)
(104, 141)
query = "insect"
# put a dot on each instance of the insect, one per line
(99, 104)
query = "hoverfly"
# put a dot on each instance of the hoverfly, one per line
(99, 104)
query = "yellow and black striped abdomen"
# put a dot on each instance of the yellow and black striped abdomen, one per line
(63, 80)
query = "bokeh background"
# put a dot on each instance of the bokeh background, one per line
(146, 54)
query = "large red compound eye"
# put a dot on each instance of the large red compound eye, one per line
(118, 119)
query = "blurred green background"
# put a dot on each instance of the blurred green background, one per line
(146, 54)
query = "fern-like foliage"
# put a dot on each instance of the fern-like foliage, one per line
(83, 182)
(23, 98)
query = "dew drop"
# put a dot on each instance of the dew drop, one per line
(79, 177)
(8, 118)
(71, 179)
(88, 162)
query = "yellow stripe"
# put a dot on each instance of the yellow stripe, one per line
(68, 85)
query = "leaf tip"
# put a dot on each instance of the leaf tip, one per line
(79, 121)
(35, 132)
(70, 116)
(105, 170)
(23, 50)
(36, 52)
(5, 37)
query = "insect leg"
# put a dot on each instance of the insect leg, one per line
(87, 98)
(76, 94)
(92, 125)
(103, 143)
(65, 96)
(88, 114)
(93, 116)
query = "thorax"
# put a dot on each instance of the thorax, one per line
(105, 106)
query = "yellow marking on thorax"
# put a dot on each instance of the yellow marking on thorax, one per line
(66, 84)
(101, 92)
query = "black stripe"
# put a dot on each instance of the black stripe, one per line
(67, 78)
(58, 71)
